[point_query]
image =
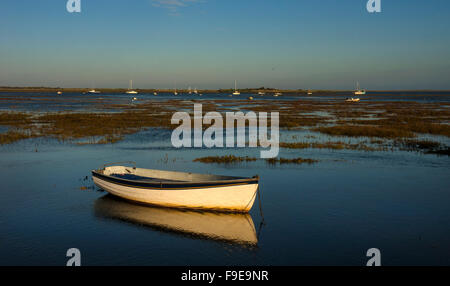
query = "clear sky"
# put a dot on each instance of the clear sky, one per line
(317, 44)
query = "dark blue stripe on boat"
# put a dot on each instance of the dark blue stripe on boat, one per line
(173, 185)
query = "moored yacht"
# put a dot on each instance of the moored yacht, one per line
(359, 91)
(130, 89)
(236, 92)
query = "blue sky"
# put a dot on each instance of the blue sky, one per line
(317, 44)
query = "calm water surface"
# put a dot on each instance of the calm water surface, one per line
(328, 213)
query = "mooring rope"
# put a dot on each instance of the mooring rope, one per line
(260, 205)
(263, 222)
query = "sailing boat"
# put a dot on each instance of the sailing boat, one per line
(236, 92)
(359, 91)
(93, 91)
(175, 91)
(190, 90)
(130, 89)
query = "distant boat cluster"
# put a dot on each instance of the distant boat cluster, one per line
(130, 90)
(358, 91)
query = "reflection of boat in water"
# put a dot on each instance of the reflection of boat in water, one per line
(230, 227)
(352, 99)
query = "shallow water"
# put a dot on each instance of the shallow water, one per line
(329, 213)
(323, 214)
(36, 102)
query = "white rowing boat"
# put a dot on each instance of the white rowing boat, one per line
(230, 227)
(178, 189)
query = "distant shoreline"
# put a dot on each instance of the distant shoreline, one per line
(245, 90)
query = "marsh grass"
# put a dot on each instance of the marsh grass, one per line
(365, 131)
(328, 145)
(441, 152)
(418, 144)
(282, 161)
(12, 136)
(16, 119)
(376, 120)
(228, 159)
(425, 146)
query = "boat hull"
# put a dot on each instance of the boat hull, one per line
(230, 198)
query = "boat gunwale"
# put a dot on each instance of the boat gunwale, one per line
(167, 184)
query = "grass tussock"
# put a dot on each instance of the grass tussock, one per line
(426, 146)
(418, 144)
(224, 159)
(12, 136)
(281, 161)
(108, 139)
(327, 145)
(365, 131)
(15, 119)
(440, 152)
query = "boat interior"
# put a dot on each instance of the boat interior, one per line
(147, 175)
